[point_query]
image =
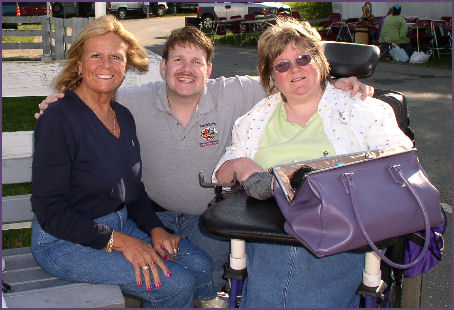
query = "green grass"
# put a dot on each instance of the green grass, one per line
(22, 39)
(17, 113)
(16, 238)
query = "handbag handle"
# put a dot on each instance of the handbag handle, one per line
(398, 176)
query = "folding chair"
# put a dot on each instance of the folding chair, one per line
(340, 32)
(235, 27)
(334, 17)
(424, 35)
(248, 26)
(442, 38)
(323, 28)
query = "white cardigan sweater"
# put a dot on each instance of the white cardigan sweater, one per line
(351, 125)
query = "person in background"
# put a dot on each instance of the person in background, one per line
(93, 219)
(304, 117)
(146, 6)
(394, 29)
(184, 124)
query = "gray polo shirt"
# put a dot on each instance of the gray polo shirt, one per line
(173, 155)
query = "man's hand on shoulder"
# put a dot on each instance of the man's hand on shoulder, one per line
(352, 83)
(45, 103)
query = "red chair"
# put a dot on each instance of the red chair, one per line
(220, 26)
(424, 35)
(323, 28)
(334, 17)
(442, 36)
(339, 32)
(235, 27)
(447, 19)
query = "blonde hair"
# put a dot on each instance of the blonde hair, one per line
(275, 39)
(137, 56)
(186, 36)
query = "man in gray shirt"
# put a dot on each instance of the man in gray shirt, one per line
(184, 124)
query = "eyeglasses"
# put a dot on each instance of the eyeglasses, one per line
(285, 65)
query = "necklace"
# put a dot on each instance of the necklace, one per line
(112, 129)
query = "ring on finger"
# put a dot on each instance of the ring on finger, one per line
(145, 267)
(175, 250)
(151, 263)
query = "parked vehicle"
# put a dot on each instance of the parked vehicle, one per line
(73, 8)
(10, 9)
(209, 11)
(34, 8)
(186, 6)
(124, 9)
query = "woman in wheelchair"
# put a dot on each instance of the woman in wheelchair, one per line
(302, 118)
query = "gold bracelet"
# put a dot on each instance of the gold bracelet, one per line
(109, 245)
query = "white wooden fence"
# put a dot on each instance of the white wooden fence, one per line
(56, 34)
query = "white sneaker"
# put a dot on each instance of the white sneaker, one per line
(217, 302)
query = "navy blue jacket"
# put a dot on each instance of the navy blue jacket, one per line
(81, 172)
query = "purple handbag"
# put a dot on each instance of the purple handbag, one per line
(414, 243)
(356, 200)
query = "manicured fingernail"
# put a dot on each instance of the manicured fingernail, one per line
(169, 275)
(149, 288)
(165, 257)
(158, 285)
(139, 283)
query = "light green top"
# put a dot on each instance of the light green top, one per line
(284, 142)
(394, 30)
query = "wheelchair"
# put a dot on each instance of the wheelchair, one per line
(232, 214)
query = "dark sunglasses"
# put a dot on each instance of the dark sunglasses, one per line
(285, 65)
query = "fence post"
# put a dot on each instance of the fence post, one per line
(46, 43)
(59, 39)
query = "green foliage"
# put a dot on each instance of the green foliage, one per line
(311, 10)
(17, 113)
(16, 238)
(16, 189)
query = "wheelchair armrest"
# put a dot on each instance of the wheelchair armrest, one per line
(351, 59)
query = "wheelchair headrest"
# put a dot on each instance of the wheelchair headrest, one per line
(351, 59)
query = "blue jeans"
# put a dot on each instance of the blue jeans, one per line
(187, 226)
(191, 274)
(282, 276)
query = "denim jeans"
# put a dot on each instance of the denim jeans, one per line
(190, 274)
(187, 226)
(282, 276)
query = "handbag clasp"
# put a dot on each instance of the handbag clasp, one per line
(396, 169)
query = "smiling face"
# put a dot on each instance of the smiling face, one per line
(103, 64)
(299, 82)
(186, 71)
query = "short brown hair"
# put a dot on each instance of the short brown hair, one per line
(186, 36)
(275, 39)
(137, 56)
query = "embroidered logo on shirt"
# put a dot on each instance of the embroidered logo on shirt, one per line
(208, 133)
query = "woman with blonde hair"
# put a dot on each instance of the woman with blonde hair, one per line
(304, 117)
(94, 222)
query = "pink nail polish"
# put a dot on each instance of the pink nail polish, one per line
(158, 285)
(139, 284)
(169, 275)
(165, 257)
(149, 288)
